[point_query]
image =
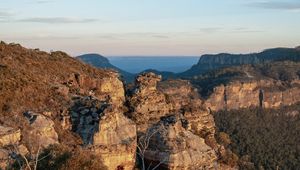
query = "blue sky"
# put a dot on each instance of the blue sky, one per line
(151, 27)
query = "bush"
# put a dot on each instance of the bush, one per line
(269, 137)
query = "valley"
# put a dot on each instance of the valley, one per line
(234, 115)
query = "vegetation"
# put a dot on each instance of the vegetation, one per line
(269, 137)
(57, 157)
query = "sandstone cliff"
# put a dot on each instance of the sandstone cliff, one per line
(178, 102)
(260, 93)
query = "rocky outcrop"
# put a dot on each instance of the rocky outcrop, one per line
(107, 87)
(146, 103)
(174, 147)
(10, 146)
(41, 133)
(186, 102)
(175, 107)
(149, 103)
(105, 131)
(255, 93)
(9, 136)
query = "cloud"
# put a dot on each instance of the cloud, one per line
(57, 20)
(245, 30)
(160, 36)
(210, 30)
(277, 5)
(6, 15)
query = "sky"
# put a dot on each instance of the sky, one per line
(151, 27)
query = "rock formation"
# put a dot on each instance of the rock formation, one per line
(147, 104)
(105, 131)
(174, 147)
(178, 103)
(10, 146)
(255, 93)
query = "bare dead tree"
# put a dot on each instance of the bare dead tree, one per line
(142, 146)
(30, 159)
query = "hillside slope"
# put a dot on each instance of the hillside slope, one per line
(42, 96)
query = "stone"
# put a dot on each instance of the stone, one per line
(42, 132)
(108, 134)
(9, 136)
(177, 148)
(147, 104)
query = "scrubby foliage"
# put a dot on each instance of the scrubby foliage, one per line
(270, 137)
(57, 157)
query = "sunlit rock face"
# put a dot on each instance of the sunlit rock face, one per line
(9, 135)
(105, 131)
(10, 145)
(183, 127)
(174, 147)
(255, 93)
(146, 103)
(43, 131)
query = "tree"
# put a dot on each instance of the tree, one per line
(142, 146)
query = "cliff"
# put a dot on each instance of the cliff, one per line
(260, 93)
(270, 85)
(212, 62)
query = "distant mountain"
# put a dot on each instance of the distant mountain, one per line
(99, 61)
(211, 62)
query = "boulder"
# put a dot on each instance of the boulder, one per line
(40, 133)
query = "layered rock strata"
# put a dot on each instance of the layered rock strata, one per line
(254, 93)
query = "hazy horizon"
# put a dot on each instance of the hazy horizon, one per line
(135, 64)
(151, 28)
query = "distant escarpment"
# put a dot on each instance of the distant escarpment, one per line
(270, 85)
(212, 62)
